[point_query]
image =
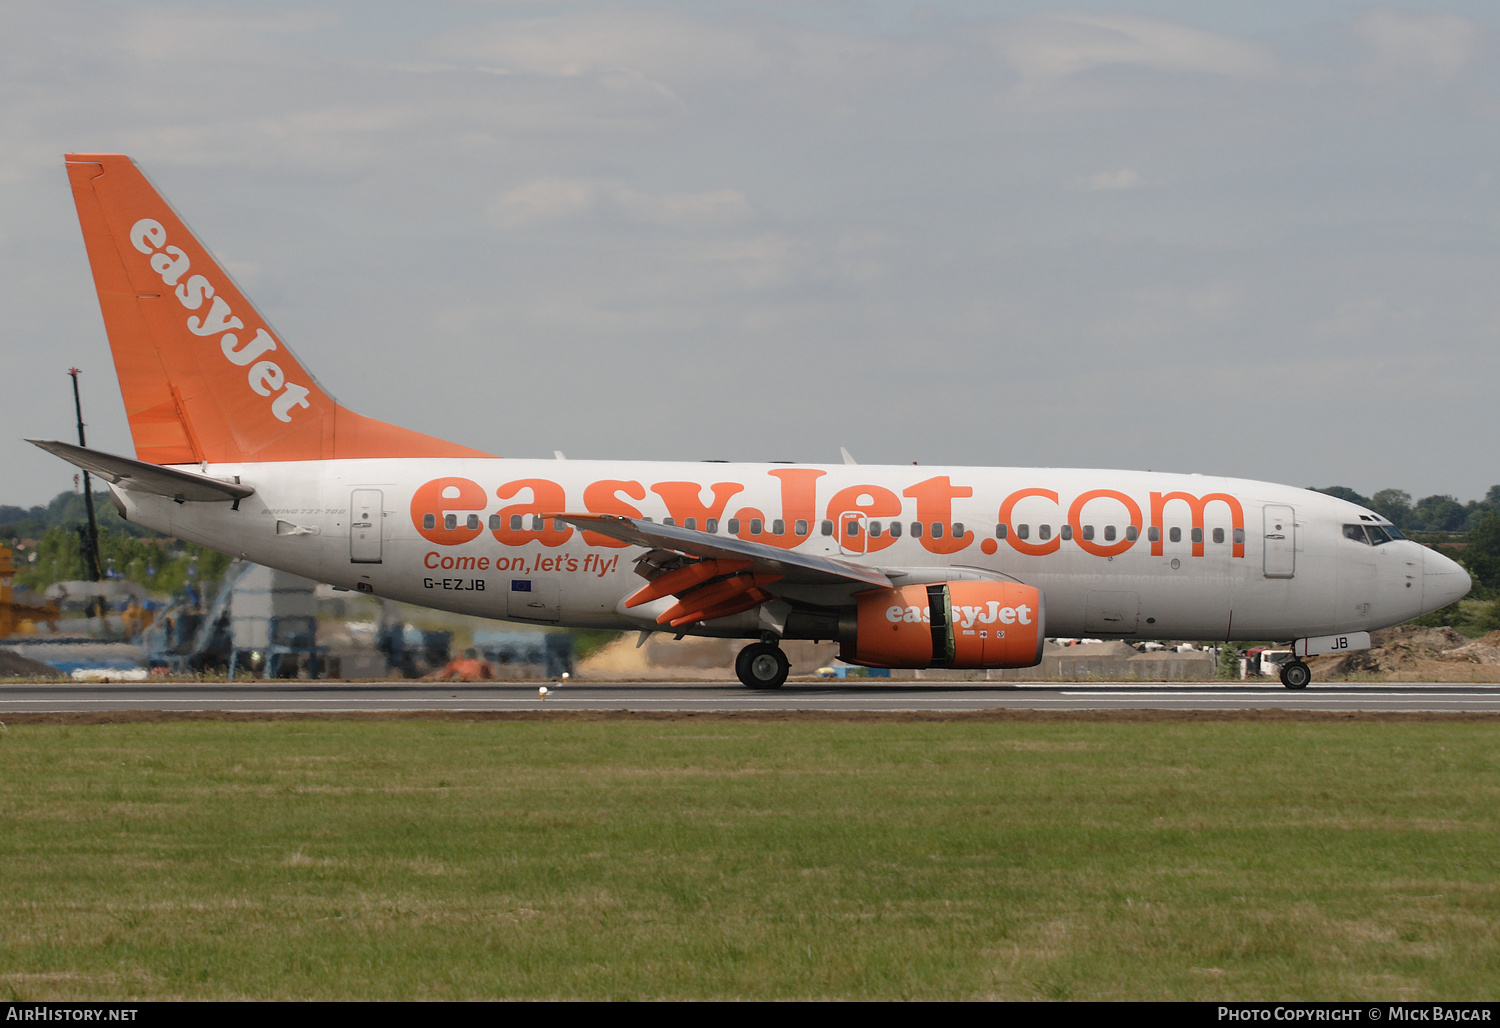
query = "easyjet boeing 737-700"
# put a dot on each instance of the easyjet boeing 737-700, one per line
(238, 448)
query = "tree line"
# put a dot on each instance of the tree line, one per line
(1439, 513)
(48, 545)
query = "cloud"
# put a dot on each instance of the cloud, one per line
(551, 200)
(1109, 181)
(213, 37)
(642, 45)
(1055, 47)
(1434, 45)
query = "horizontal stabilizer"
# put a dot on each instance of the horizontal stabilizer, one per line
(182, 486)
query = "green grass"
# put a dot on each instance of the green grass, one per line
(738, 858)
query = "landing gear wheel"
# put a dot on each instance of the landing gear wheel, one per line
(762, 666)
(1295, 675)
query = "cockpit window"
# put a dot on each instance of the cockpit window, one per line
(1372, 535)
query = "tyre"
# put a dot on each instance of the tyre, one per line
(762, 666)
(1295, 675)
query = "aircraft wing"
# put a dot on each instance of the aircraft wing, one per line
(788, 565)
(714, 576)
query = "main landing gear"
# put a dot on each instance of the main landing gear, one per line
(762, 665)
(1295, 674)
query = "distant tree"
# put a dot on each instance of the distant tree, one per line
(22, 522)
(1451, 616)
(69, 511)
(1488, 618)
(1394, 505)
(1438, 514)
(1482, 555)
(161, 565)
(59, 559)
(1343, 492)
(1229, 661)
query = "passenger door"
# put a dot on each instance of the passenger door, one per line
(366, 514)
(1280, 541)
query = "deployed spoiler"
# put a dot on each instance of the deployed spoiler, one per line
(182, 486)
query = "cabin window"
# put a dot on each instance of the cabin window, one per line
(875, 530)
(1109, 533)
(800, 528)
(1001, 531)
(558, 525)
(734, 526)
(1175, 535)
(1088, 532)
(916, 529)
(1239, 537)
(1044, 532)
(495, 522)
(756, 524)
(711, 526)
(827, 528)
(472, 522)
(1023, 531)
(937, 529)
(1132, 533)
(1218, 535)
(851, 528)
(1153, 534)
(895, 530)
(515, 522)
(538, 522)
(1067, 532)
(958, 529)
(778, 527)
(429, 521)
(668, 521)
(1197, 535)
(450, 521)
(691, 524)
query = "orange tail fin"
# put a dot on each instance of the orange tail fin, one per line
(203, 377)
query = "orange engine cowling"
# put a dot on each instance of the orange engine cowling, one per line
(951, 624)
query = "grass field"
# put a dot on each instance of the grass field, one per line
(731, 857)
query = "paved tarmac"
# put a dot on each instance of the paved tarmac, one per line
(330, 697)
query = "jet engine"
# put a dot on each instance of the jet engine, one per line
(951, 624)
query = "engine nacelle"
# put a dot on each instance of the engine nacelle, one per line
(952, 624)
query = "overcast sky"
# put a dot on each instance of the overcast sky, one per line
(1246, 239)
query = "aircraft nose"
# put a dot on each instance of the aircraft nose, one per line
(1443, 581)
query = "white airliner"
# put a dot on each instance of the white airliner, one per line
(238, 448)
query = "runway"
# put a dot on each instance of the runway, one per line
(709, 697)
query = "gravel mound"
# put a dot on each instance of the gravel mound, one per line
(13, 665)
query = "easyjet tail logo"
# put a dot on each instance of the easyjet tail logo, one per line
(264, 376)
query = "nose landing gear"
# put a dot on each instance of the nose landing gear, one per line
(762, 665)
(1295, 674)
